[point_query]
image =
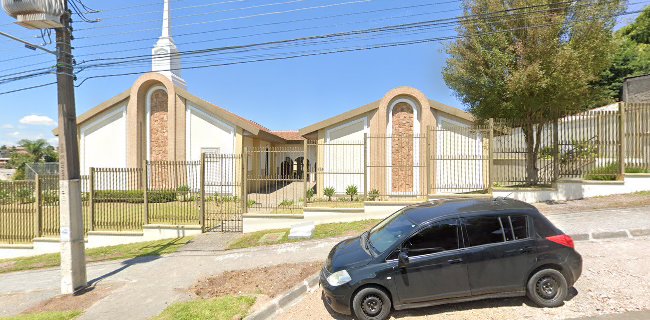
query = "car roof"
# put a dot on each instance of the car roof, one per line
(437, 208)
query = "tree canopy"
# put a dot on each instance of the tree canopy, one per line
(631, 58)
(35, 151)
(530, 61)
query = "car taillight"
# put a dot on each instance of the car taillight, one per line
(562, 239)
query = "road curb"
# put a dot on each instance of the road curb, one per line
(278, 304)
(603, 235)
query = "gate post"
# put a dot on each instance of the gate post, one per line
(621, 141)
(305, 169)
(39, 207)
(365, 166)
(556, 152)
(202, 190)
(428, 164)
(145, 190)
(244, 174)
(491, 156)
(91, 199)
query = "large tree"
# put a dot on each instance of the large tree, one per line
(530, 62)
(631, 58)
(35, 151)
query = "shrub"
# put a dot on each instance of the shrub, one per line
(286, 203)
(329, 192)
(183, 193)
(604, 173)
(51, 196)
(373, 194)
(351, 191)
(310, 194)
(251, 203)
(25, 195)
(128, 196)
(184, 189)
(5, 197)
(161, 196)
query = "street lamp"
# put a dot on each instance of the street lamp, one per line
(47, 14)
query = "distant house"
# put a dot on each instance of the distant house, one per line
(637, 89)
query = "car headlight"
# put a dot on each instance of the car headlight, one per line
(339, 278)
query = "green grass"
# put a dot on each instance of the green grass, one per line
(223, 308)
(610, 172)
(119, 252)
(322, 231)
(68, 315)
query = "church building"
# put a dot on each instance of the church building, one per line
(158, 119)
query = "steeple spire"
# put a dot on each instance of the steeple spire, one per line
(165, 57)
(167, 21)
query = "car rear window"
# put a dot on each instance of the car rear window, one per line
(515, 227)
(545, 228)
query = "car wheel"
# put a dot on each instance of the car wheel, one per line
(371, 304)
(547, 288)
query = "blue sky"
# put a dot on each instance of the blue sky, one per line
(282, 95)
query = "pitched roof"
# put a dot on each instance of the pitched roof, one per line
(374, 105)
(289, 135)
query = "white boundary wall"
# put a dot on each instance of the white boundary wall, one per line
(574, 189)
(96, 239)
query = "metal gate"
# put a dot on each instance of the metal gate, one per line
(276, 179)
(222, 198)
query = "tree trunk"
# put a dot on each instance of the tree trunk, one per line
(533, 139)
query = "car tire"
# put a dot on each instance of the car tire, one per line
(547, 288)
(371, 303)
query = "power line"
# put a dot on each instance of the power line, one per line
(235, 18)
(192, 15)
(431, 23)
(28, 88)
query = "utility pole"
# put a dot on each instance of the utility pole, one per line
(73, 264)
(42, 16)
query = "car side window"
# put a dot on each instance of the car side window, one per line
(440, 236)
(484, 230)
(519, 226)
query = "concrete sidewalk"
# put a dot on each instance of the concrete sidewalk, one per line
(150, 284)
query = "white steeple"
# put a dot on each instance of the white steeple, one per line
(165, 57)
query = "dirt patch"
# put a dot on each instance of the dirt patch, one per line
(8, 265)
(614, 201)
(79, 301)
(268, 281)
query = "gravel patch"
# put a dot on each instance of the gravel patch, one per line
(615, 279)
(630, 200)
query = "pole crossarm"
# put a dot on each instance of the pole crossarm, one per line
(27, 43)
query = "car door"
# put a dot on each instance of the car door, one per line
(499, 252)
(436, 268)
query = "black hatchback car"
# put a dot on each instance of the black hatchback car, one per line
(450, 251)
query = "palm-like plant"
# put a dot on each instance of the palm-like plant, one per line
(35, 151)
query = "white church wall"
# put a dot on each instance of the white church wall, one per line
(207, 133)
(103, 140)
(350, 132)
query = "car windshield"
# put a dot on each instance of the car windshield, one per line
(392, 229)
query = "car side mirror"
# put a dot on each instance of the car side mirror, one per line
(402, 259)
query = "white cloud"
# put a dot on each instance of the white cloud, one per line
(7, 126)
(37, 120)
(14, 134)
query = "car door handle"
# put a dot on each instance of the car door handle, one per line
(454, 261)
(526, 250)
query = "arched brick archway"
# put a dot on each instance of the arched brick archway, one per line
(402, 149)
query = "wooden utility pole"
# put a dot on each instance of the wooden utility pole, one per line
(73, 264)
